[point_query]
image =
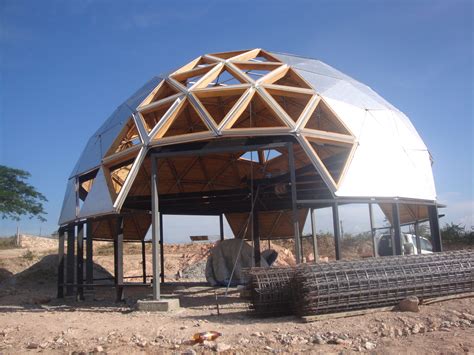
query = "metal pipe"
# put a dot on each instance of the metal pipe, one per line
(296, 228)
(155, 228)
(313, 233)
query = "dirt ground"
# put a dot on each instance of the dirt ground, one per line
(33, 320)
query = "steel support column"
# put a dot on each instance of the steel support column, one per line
(221, 225)
(70, 260)
(397, 234)
(61, 263)
(296, 227)
(337, 230)
(162, 250)
(144, 260)
(313, 233)
(155, 228)
(434, 228)
(256, 237)
(80, 261)
(417, 237)
(89, 256)
(372, 230)
(118, 259)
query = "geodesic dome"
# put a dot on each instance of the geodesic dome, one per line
(350, 142)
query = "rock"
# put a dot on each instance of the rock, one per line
(98, 349)
(416, 329)
(244, 341)
(468, 316)
(341, 341)
(209, 344)
(221, 347)
(369, 345)
(189, 352)
(257, 334)
(318, 339)
(409, 304)
(32, 345)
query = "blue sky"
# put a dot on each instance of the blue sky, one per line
(66, 65)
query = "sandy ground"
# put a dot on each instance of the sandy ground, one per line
(33, 320)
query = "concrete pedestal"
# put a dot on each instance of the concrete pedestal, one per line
(163, 305)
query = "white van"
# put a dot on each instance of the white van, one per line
(385, 245)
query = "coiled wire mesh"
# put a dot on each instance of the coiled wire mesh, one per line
(311, 289)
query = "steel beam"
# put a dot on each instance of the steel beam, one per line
(434, 228)
(89, 256)
(313, 233)
(372, 230)
(221, 226)
(337, 230)
(61, 263)
(155, 228)
(256, 237)
(144, 260)
(70, 260)
(397, 234)
(80, 261)
(118, 259)
(162, 250)
(296, 227)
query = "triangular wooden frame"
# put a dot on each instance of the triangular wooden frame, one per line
(186, 104)
(277, 92)
(198, 73)
(163, 91)
(230, 91)
(126, 135)
(332, 119)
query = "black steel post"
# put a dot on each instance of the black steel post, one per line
(221, 225)
(418, 239)
(313, 233)
(89, 256)
(80, 261)
(337, 230)
(70, 260)
(397, 234)
(296, 227)
(434, 228)
(61, 263)
(118, 259)
(372, 230)
(162, 250)
(144, 260)
(256, 237)
(155, 227)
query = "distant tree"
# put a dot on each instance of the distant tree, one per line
(17, 197)
(457, 233)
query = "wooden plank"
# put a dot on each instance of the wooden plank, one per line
(221, 91)
(291, 91)
(329, 316)
(158, 104)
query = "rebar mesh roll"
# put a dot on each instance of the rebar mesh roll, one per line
(349, 285)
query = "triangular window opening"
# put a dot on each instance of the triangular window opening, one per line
(293, 104)
(165, 90)
(187, 121)
(258, 115)
(257, 74)
(152, 118)
(252, 156)
(219, 106)
(270, 154)
(322, 119)
(225, 78)
(127, 138)
(292, 79)
(85, 185)
(119, 175)
(333, 157)
(191, 77)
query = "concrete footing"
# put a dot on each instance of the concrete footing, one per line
(163, 305)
